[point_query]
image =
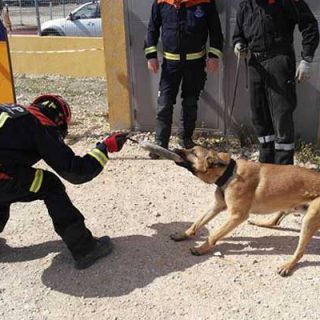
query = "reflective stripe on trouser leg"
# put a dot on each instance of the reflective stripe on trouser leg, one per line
(37, 181)
(67, 219)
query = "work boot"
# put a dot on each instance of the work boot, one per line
(186, 143)
(4, 216)
(103, 247)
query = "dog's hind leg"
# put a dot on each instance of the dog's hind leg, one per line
(310, 224)
(216, 207)
(274, 222)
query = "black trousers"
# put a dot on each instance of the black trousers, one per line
(273, 100)
(191, 76)
(27, 184)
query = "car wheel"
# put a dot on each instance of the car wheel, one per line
(50, 33)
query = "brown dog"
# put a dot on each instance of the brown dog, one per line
(246, 187)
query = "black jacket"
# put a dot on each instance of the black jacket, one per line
(268, 25)
(24, 141)
(184, 30)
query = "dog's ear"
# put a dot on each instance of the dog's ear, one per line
(218, 160)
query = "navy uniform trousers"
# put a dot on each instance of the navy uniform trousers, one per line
(273, 100)
(191, 76)
(26, 184)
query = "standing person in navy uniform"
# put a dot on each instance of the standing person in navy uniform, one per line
(185, 26)
(266, 28)
(29, 134)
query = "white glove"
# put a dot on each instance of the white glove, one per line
(303, 71)
(240, 49)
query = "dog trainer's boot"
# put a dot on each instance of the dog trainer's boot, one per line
(4, 216)
(103, 246)
(85, 249)
(163, 124)
(186, 143)
(188, 120)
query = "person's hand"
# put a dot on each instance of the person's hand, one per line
(115, 142)
(303, 71)
(212, 65)
(153, 65)
(240, 50)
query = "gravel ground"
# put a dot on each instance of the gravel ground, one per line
(139, 202)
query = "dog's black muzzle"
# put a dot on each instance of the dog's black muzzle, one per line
(185, 163)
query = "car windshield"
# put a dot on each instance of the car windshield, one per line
(89, 11)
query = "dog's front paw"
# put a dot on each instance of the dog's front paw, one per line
(178, 236)
(285, 270)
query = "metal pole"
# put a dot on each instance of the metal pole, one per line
(20, 11)
(38, 16)
(50, 9)
(64, 7)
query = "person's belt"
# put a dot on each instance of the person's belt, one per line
(189, 56)
(265, 55)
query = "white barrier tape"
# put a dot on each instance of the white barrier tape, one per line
(56, 51)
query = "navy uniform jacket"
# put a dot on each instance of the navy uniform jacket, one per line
(24, 140)
(268, 25)
(184, 29)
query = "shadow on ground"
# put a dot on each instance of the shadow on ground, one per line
(138, 260)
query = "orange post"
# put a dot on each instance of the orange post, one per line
(7, 92)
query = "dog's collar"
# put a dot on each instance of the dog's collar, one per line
(228, 173)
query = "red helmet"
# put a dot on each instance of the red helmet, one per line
(56, 109)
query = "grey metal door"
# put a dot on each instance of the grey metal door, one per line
(145, 84)
(216, 98)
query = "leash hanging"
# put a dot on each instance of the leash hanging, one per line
(229, 118)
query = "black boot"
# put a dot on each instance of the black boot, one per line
(188, 119)
(103, 247)
(186, 143)
(266, 152)
(84, 248)
(163, 124)
(4, 216)
(284, 157)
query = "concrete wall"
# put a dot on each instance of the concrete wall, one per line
(79, 57)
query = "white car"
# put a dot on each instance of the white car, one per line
(84, 21)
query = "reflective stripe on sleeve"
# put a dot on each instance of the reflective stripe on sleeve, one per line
(37, 181)
(99, 156)
(3, 118)
(150, 50)
(215, 52)
(284, 146)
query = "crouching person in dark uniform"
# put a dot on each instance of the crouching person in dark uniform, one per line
(266, 28)
(185, 26)
(37, 132)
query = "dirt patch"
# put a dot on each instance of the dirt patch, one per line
(139, 203)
